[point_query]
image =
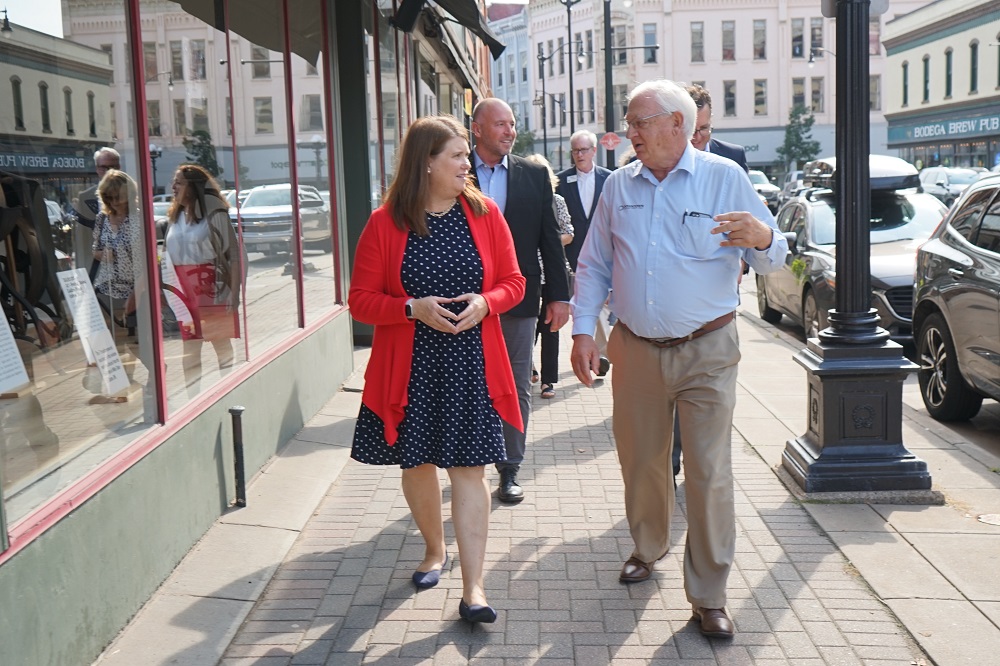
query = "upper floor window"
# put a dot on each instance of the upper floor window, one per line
(798, 92)
(91, 115)
(906, 83)
(729, 40)
(562, 55)
(107, 48)
(948, 59)
(149, 63)
(974, 66)
(649, 42)
(524, 66)
(198, 60)
(551, 64)
(68, 103)
(874, 92)
(43, 98)
(577, 52)
(263, 116)
(816, 34)
(697, 41)
(261, 63)
(875, 35)
(759, 39)
(15, 98)
(589, 45)
(729, 97)
(619, 40)
(760, 97)
(153, 117)
(818, 98)
(177, 60)
(926, 96)
(798, 38)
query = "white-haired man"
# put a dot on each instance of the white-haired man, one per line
(666, 240)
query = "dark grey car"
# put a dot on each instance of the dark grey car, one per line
(957, 307)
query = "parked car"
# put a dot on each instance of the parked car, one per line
(901, 218)
(266, 216)
(957, 312)
(768, 190)
(790, 187)
(946, 183)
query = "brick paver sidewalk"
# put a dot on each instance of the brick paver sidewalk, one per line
(343, 594)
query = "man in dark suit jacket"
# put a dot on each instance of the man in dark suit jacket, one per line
(581, 186)
(524, 193)
(703, 130)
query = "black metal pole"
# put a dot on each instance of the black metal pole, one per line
(853, 321)
(569, 51)
(241, 487)
(609, 105)
(545, 119)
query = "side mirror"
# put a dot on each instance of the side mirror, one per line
(793, 239)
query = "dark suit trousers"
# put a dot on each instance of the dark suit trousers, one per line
(519, 335)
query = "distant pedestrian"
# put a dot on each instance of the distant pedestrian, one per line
(434, 269)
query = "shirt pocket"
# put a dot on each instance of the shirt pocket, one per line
(696, 238)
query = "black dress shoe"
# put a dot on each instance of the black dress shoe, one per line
(603, 366)
(510, 492)
(474, 614)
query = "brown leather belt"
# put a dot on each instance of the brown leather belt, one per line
(667, 343)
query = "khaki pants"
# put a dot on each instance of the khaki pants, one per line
(699, 378)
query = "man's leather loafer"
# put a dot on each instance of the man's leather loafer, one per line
(714, 622)
(635, 571)
(510, 492)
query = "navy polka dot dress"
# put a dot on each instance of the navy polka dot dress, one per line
(450, 420)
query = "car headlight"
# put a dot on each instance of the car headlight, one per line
(830, 277)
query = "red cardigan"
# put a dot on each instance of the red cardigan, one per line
(377, 297)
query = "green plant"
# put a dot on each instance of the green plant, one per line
(799, 146)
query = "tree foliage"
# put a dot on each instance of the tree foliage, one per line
(524, 143)
(200, 150)
(799, 146)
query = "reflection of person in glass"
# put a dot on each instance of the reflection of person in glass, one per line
(116, 242)
(435, 267)
(204, 251)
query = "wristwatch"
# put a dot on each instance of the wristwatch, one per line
(409, 309)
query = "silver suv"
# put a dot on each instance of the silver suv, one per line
(266, 216)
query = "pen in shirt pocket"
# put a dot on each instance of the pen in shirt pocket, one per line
(695, 213)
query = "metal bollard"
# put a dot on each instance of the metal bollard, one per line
(241, 487)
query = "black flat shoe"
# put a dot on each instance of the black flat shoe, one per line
(427, 579)
(475, 614)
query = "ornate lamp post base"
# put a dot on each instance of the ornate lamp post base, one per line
(854, 438)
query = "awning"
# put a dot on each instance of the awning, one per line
(466, 12)
(260, 21)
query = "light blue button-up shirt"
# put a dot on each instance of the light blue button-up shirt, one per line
(649, 242)
(492, 180)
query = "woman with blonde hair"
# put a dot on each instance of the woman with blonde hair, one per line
(550, 338)
(117, 241)
(435, 267)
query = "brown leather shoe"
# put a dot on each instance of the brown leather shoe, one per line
(714, 622)
(635, 571)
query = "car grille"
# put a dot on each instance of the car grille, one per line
(901, 301)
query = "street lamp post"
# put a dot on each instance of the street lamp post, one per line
(569, 40)
(154, 154)
(818, 50)
(541, 76)
(609, 101)
(853, 440)
(317, 145)
(562, 123)
(170, 79)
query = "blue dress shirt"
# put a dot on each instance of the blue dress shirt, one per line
(649, 242)
(492, 180)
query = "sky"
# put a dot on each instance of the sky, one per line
(41, 15)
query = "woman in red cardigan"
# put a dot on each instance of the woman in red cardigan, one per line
(435, 267)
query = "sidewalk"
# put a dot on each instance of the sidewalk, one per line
(316, 570)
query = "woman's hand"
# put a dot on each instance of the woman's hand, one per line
(430, 311)
(474, 312)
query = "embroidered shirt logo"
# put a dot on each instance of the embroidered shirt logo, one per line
(631, 206)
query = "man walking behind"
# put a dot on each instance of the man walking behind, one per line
(523, 192)
(667, 237)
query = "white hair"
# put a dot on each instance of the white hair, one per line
(671, 97)
(584, 134)
(107, 150)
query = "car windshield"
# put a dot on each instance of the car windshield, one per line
(758, 178)
(160, 208)
(894, 216)
(268, 198)
(962, 176)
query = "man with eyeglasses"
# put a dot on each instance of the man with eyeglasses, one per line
(667, 238)
(702, 137)
(581, 186)
(87, 206)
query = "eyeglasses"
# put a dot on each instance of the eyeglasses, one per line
(105, 167)
(704, 130)
(581, 151)
(640, 124)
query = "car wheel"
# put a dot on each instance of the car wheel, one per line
(946, 395)
(812, 320)
(767, 313)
